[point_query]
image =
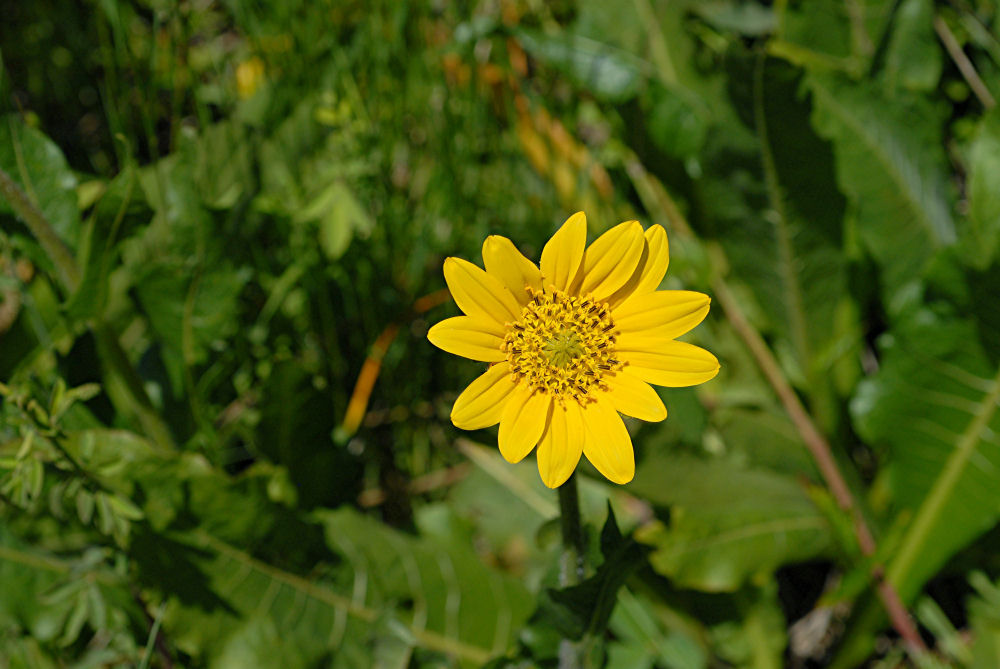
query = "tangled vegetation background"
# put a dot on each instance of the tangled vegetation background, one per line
(224, 437)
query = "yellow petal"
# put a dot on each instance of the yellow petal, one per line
(657, 262)
(482, 403)
(611, 260)
(478, 294)
(673, 363)
(664, 313)
(469, 338)
(626, 290)
(563, 253)
(562, 444)
(634, 397)
(504, 261)
(523, 422)
(608, 446)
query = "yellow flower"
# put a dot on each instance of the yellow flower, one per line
(572, 344)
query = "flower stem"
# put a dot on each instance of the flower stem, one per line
(571, 567)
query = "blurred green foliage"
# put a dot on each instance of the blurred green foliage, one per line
(224, 438)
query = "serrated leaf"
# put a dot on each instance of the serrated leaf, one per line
(891, 166)
(791, 252)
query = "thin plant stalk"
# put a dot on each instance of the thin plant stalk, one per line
(571, 567)
(658, 200)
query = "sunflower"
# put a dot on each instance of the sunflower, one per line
(572, 344)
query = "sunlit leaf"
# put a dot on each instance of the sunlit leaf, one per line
(727, 525)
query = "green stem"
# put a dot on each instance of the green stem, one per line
(571, 567)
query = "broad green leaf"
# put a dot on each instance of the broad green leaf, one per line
(934, 404)
(727, 525)
(609, 74)
(790, 251)
(832, 33)
(913, 59)
(446, 599)
(981, 233)
(455, 597)
(40, 169)
(891, 167)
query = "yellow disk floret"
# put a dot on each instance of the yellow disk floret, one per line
(562, 344)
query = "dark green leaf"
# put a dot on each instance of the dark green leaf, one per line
(585, 608)
(891, 167)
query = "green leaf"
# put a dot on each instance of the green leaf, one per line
(639, 633)
(891, 166)
(608, 73)
(339, 216)
(745, 18)
(756, 638)
(678, 121)
(727, 525)
(934, 404)
(121, 200)
(40, 169)
(221, 158)
(913, 59)
(981, 233)
(791, 250)
(448, 600)
(832, 33)
(188, 314)
(984, 615)
(585, 608)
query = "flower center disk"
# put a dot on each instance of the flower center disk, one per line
(562, 345)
